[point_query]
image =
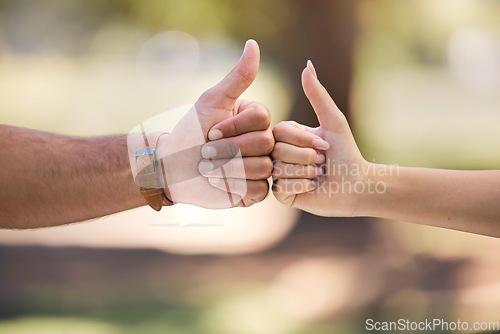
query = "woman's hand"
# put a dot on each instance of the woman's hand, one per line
(319, 170)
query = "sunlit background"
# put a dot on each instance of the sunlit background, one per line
(419, 81)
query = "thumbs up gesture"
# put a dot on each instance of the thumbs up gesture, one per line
(319, 170)
(217, 155)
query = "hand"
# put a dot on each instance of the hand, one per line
(231, 169)
(317, 169)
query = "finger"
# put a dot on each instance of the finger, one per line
(250, 117)
(293, 171)
(250, 189)
(289, 132)
(248, 201)
(251, 144)
(225, 198)
(287, 187)
(228, 90)
(288, 200)
(327, 111)
(296, 155)
(311, 67)
(252, 168)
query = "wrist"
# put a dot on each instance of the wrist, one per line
(149, 169)
(379, 181)
(162, 152)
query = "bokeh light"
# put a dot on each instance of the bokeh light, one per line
(168, 60)
(425, 92)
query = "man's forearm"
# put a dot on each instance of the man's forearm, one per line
(461, 200)
(51, 180)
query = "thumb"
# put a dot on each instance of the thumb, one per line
(329, 115)
(228, 90)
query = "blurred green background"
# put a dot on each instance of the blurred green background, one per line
(419, 81)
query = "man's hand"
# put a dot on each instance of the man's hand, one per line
(231, 169)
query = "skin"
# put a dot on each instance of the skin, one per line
(458, 200)
(50, 180)
(229, 126)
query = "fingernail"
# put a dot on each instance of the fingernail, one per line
(246, 45)
(214, 134)
(244, 50)
(311, 67)
(208, 152)
(213, 180)
(320, 158)
(206, 167)
(320, 144)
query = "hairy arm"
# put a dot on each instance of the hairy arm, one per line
(49, 180)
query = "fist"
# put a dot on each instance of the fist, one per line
(217, 155)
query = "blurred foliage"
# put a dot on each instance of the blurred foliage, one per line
(411, 109)
(401, 60)
(81, 19)
(399, 33)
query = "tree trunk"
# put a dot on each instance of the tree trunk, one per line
(323, 32)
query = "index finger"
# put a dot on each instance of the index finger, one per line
(255, 117)
(294, 134)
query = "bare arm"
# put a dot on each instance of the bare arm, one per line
(349, 186)
(50, 180)
(461, 200)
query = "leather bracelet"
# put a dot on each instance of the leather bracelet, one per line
(148, 174)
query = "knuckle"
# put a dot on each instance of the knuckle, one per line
(268, 142)
(262, 189)
(277, 151)
(264, 195)
(258, 189)
(252, 104)
(311, 157)
(267, 167)
(262, 116)
(232, 127)
(278, 186)
(232, 149)
(277, 170)
(278, 128)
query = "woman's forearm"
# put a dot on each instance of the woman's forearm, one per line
(461, 200)
(51, 180)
